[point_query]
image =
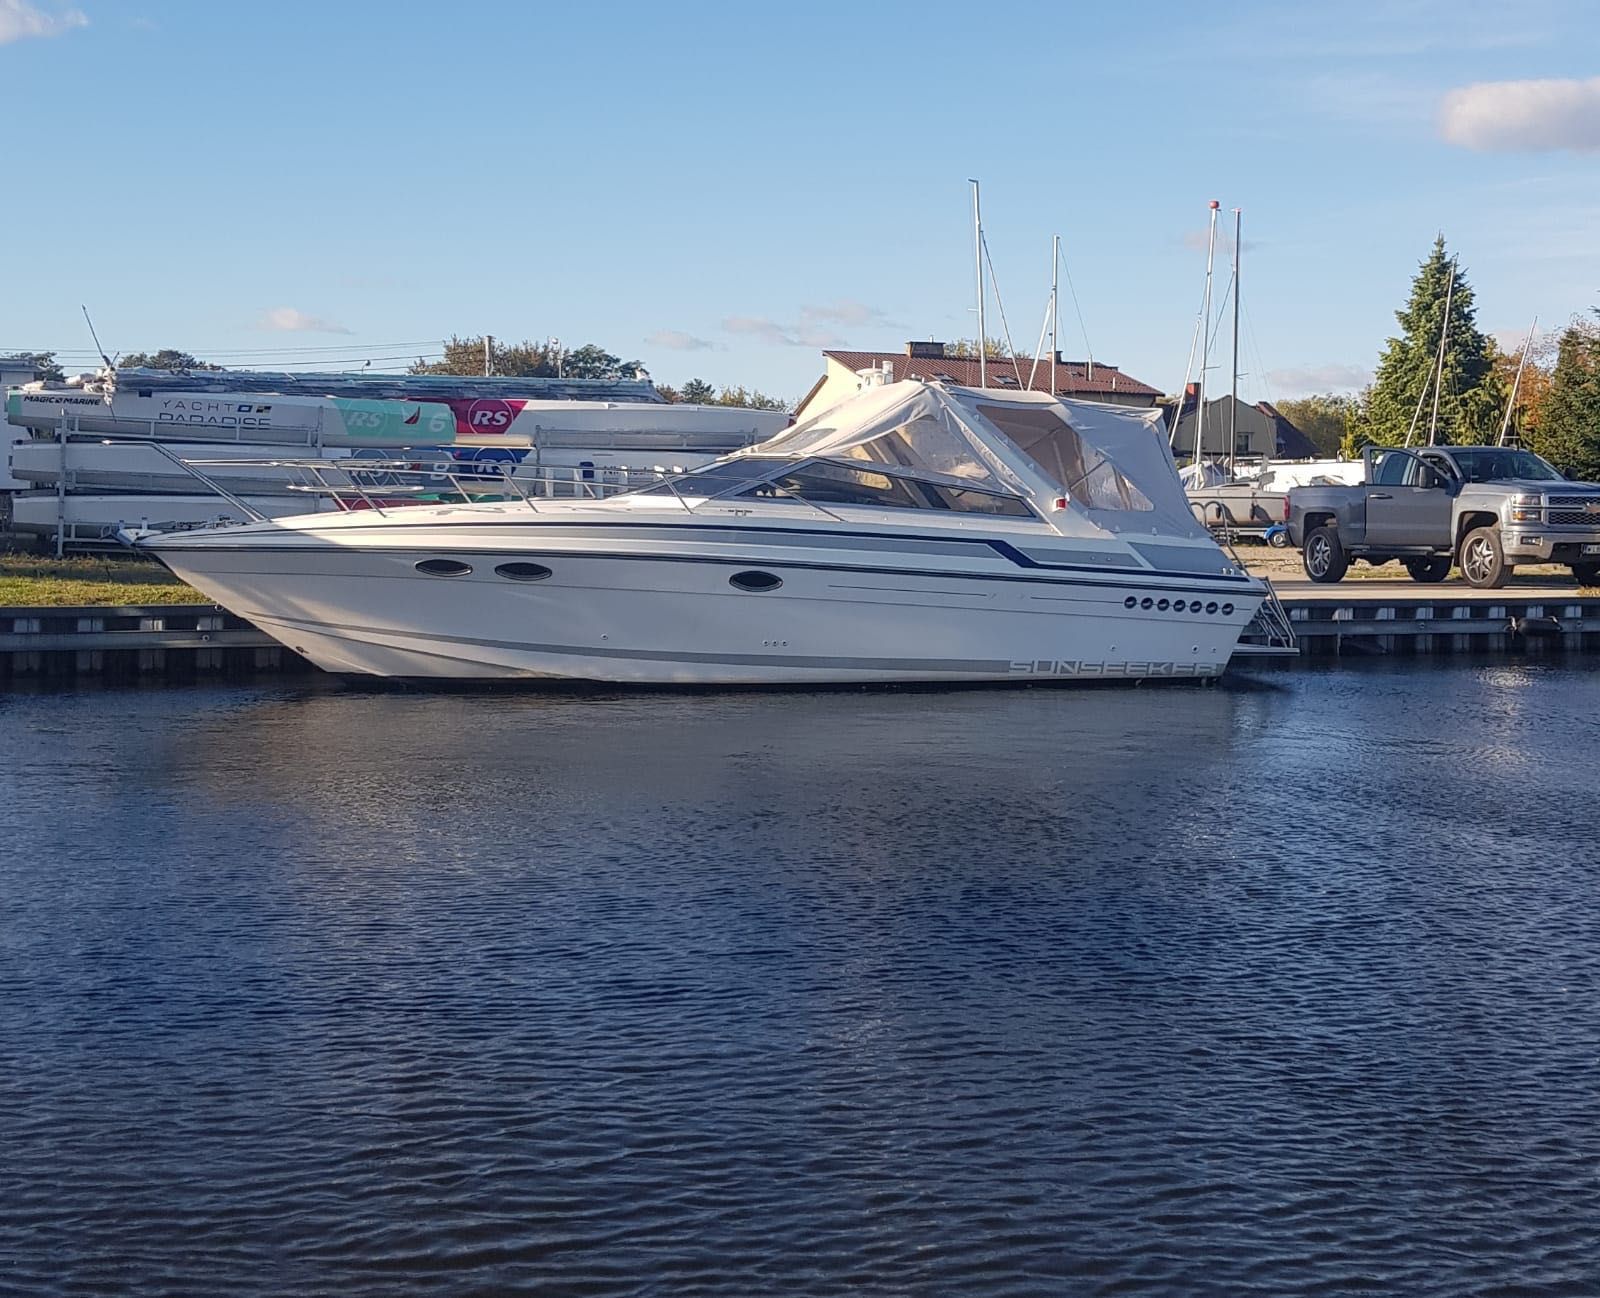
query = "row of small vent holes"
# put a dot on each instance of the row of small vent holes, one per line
(1176, 605)
(751, 581)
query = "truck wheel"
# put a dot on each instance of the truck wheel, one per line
(1483, 559)
(1279, 540)
(1433, 569)
(1588, 574)
(1324, 556)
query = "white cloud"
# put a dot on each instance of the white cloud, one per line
(1304, 380)
(1527, 116)
(815, 326)
(20, 20)
(846, 311)
(777, 334)
(285, 319)
(678, 341)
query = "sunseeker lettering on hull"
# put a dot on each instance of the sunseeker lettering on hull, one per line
(1047, 667)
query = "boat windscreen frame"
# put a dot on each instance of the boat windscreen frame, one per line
(683, 485)
(672, 484)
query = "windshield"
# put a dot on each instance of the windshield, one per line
(1496, 464)
(715, 479)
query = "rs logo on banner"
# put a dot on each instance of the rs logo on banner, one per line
(490, 416)
(484, 416)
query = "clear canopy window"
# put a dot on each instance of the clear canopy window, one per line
(1061, 456)
(826, 482)
(926, 443)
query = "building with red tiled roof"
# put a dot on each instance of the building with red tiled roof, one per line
(1083, 380)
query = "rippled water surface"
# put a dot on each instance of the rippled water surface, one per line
(1286, 987)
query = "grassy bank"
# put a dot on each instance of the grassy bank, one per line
(32, 580)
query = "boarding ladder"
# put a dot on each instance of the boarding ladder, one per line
(1269, 632)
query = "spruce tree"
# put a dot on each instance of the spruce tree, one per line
(1568, 432)
(1468, 400)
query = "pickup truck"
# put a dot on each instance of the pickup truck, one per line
(1486, 508)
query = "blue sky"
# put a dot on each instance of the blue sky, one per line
(722, 189)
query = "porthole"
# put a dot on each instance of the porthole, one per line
(444, 567)
(1131, 602)
(1178, 606)
(523, 571)
(1147, 602)
(1227, 610)
(1211, 607)
(1161, 606)
(755, 581)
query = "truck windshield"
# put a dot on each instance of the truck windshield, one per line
(1496, 464)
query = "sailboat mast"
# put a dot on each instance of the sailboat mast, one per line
(977, 255)
(1444, 334)
(1205, 337)
(1516, 383)
(1233, 406)
(1055, 307)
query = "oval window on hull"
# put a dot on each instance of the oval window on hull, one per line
(523, 571)
(444, 568)
(755, 581)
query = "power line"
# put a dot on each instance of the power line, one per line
(255, 351)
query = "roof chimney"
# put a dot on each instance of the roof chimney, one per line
(927, 351)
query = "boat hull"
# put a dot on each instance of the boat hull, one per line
(661, 619)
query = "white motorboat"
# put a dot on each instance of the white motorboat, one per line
(913, 533)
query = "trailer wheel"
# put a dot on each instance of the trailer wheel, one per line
(1324, 557)
(1483, 559)
(1436, 568)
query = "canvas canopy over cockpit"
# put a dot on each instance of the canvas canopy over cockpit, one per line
(1077, 462)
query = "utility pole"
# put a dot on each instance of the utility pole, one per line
(488, 355)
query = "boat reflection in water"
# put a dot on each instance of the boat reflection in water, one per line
(915, 532)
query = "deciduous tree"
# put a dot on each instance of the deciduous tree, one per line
(697, 392)
(527, 360)
(750, 399)
(1324, 418)
(43, 363)
(168, 358)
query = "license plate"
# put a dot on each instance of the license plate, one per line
(1591, 549)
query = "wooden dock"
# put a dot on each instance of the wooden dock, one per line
(175, 641)
(1379, 617)
(1373, 618)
